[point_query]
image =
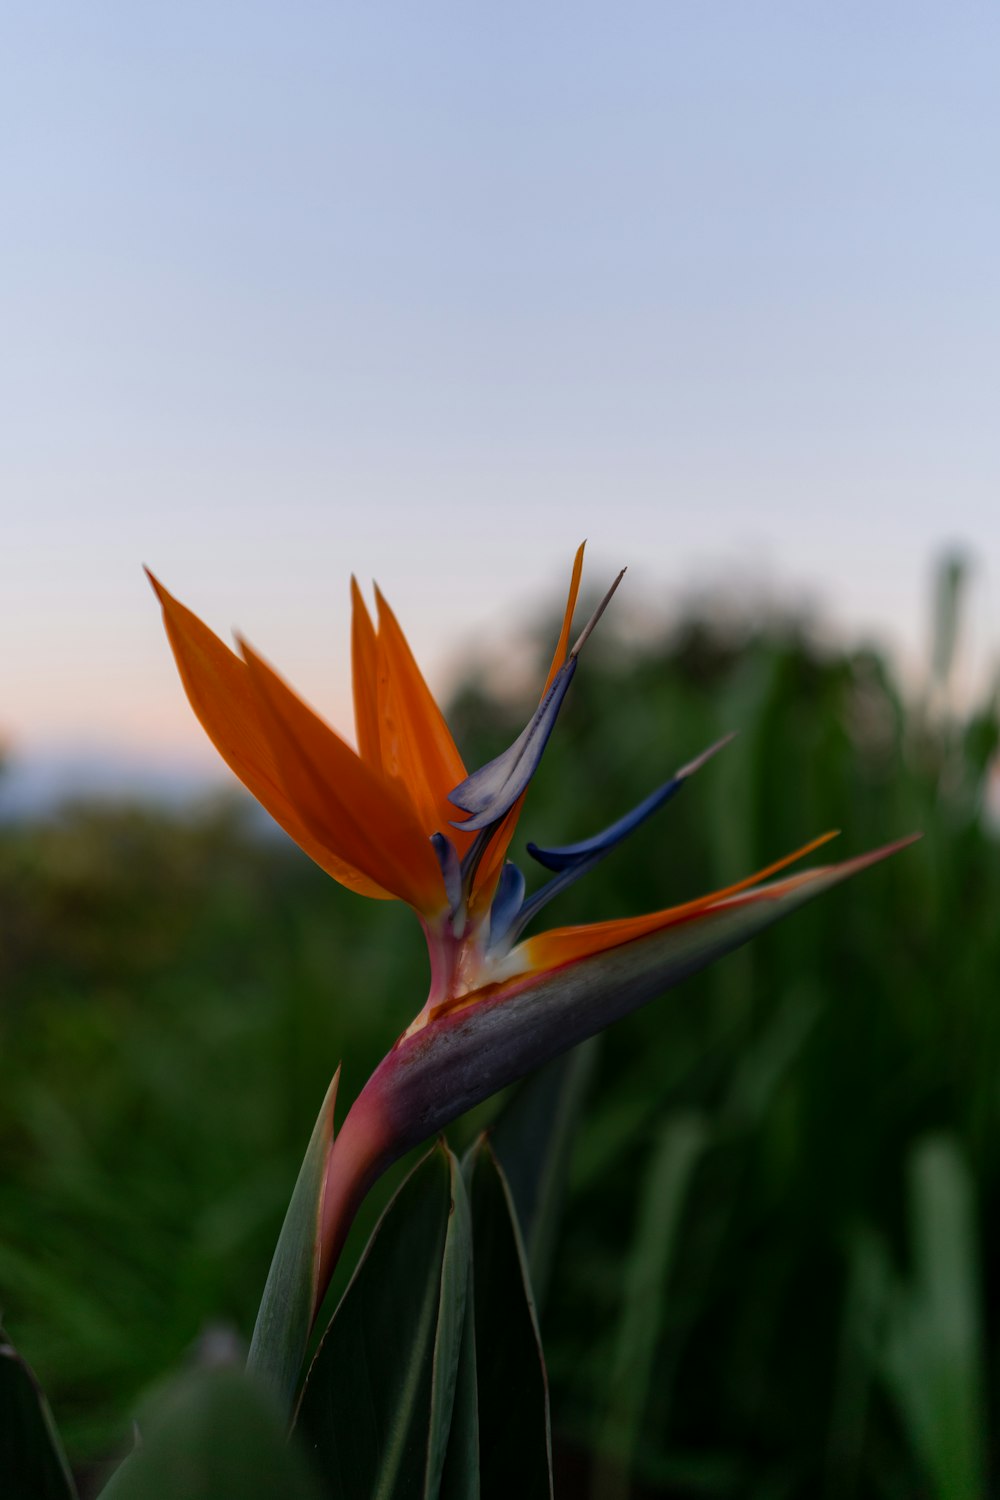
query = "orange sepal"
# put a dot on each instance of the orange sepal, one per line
(491, 865)
(364, 679)
(563, 945)
(342, 800)
(218, 688)
(417, 745)
(562, 645)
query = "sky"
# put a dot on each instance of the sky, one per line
(430, 292)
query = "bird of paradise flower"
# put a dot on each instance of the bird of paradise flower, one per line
(401, 817)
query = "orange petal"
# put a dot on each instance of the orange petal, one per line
(562, 646)
(564, 944)
(364, 679)
(417, 746)
(341, 799)
(492, 862)
(218, 689)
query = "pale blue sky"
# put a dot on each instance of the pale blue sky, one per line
(431, 291)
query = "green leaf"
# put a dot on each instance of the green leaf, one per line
(764, 1062)
(32, 1465)
(675, 1155)
(514, 1439)
(869, 1276)
(377, 1406)
(933, 1356)
(284, 1319)
(452, 1372)
(532, 1140)
(460, 1476)
(212, 1435)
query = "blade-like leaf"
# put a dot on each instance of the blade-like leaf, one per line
(377, 1405)
(460, 1476)
(674, 1158)
(514, 1439)
(284, 1319)
(869, 1276)
(933, 1357)
(532, 1139)
(212, 1435)
(450, 1368)
(285, 1316)
(32, 1465)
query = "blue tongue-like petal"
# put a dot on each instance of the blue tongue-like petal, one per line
(571, 861)
(568, 856)
(451, 870)
(506, 903)
(491, 791)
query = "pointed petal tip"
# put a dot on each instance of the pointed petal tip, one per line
(156, 585)
(706, 755)
(332, 1092)
(885, 850)
(870, 857)
(358, 600)
(251, 656)
(588, 629)
(840, 870)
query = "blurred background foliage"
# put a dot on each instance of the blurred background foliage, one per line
(775, 1270)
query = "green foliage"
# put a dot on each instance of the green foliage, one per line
(178, 991)
(532, 1140)
(212, 1434)
(515, 1448)
(32, 1462)
(284, 1318)
(377, 1405)
(931, 1350)
(645, 1282)
(429, 1381)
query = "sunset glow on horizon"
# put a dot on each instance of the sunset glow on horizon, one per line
(430, 296)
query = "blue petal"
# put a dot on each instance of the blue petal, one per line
(451, 870)
(573, 860)
(491, 791)
(506, 902)
(568, 856)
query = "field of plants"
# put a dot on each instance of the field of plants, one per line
(774, 1274)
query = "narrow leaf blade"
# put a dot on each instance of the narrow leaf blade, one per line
(284, 1319)
(933, 1357)
(377, 1404)
(514, 1437)
(453, 1436)
(460, 1474)
(675, 1155)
